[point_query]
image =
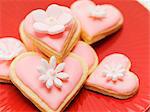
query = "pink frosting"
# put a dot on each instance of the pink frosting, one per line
(86, 52)
(126, 85)
(80, 10)
(27, 73)
(54, 41)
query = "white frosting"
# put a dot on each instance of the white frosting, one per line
(97, 11)
(52, 21)
(113, 72)
(10, 48)
(51, 74)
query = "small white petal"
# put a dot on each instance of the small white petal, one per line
(41, 70)
(39, 15)
(44, 64)
(120, 76)
(104, 73)
(58, 82)
(56, 29)
(52, 62)
(43, 78)
(62, 76)
(114, 78)
(49, 83)
(50, 72)
(109, 76)
(40, 27)
(60, 67)
(122, 70)
(64, 18)
(54, 10)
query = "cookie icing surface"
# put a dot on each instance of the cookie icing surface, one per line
(29, 75)
(126, 85)
(55, 41)
(86, 52)
(110, 17)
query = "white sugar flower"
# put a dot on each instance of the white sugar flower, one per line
(97, 11)
(52, 21)
(114, 72)
(52, 74)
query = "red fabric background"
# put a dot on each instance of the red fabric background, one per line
(132, 40)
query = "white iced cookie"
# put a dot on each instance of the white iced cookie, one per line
(9, 49)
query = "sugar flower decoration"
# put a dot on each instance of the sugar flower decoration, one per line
(52, 74)
(10, 48)
(97, 11)
(114, 72)
(52, 21)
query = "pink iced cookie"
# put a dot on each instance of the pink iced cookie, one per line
(9, 49)
(51, 30)
(97, 21)
(113, 77)
(48, 85)
(88, 54)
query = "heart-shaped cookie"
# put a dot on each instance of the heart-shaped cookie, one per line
(97, 21)
(113, 77)
(88, 54)
(82, 49)
(50, 87)
(9, 49)
(51, 30)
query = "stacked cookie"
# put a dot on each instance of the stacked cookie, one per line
(56, 60)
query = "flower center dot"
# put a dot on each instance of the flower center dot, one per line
(50, 20)
(51, 72)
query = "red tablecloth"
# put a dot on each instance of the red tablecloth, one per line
(131, 40)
